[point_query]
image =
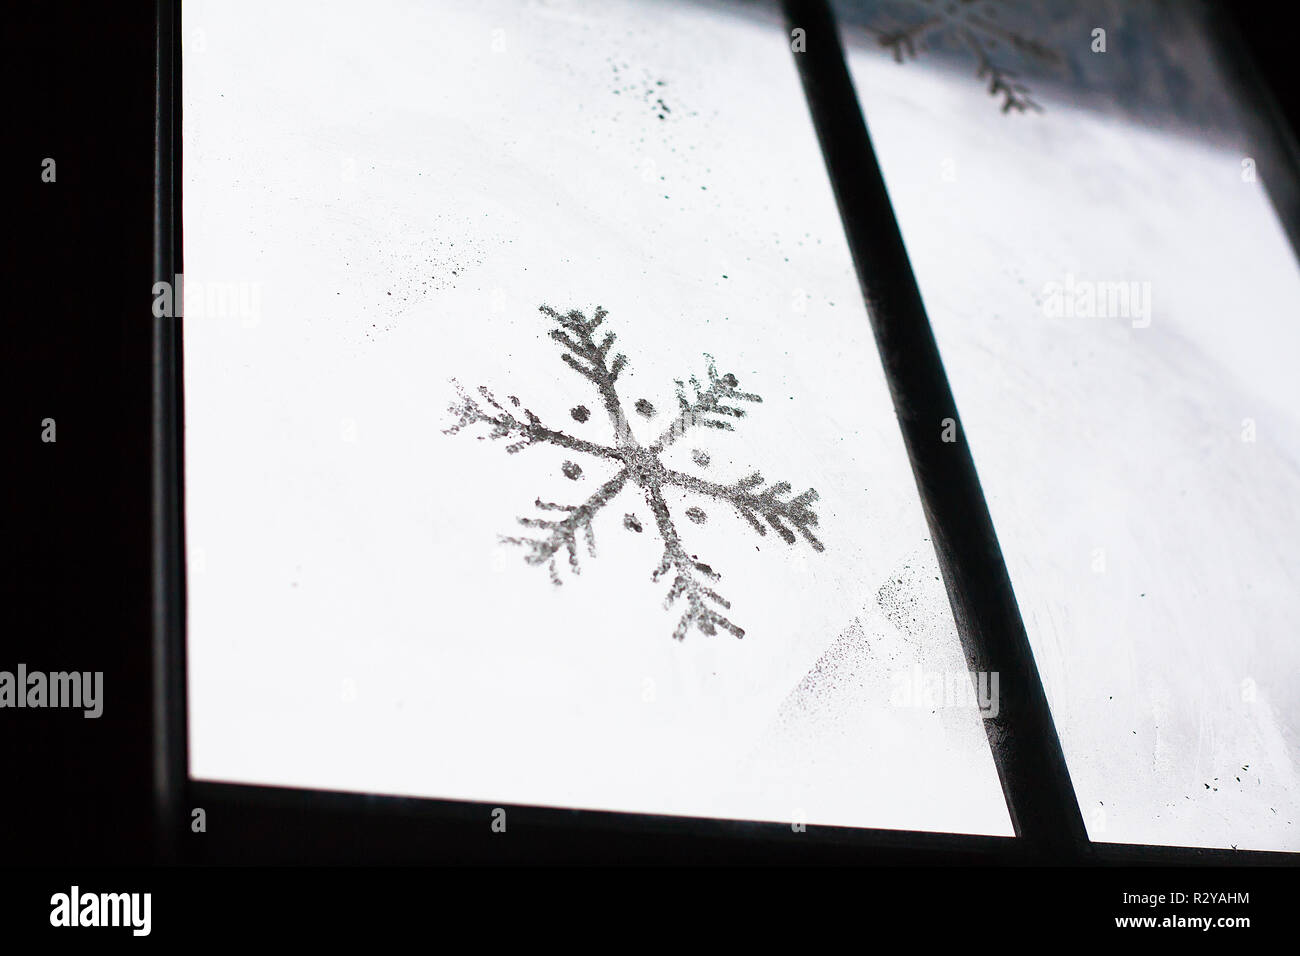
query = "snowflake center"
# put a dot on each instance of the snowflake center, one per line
(643, 466)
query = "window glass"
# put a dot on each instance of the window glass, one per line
(1115, 303)
(411, 424)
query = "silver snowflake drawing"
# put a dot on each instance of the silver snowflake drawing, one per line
(715, 404)
(973, 24)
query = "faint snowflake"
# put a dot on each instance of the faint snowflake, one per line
(972, 23)
(715, 405)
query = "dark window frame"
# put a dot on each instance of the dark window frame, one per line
(274, 824)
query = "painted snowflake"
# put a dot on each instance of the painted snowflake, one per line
(715, 404)
(973, 24)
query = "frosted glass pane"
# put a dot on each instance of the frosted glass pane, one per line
(1138, 443)
(403, 187)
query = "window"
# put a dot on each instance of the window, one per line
(1113, 298)
(538, 449)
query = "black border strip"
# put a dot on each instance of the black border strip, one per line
(170, 716)
(1264, 121)
(1030, 762)
(284, 825)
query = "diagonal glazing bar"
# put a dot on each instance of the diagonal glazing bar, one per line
(1022, 736)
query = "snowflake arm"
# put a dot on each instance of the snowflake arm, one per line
(589, 359)
(1027, 45)
(979, 31)
(766, 504)
(689, 580)
(707, 405)
(903, 42)
(564, 532)
(1015, 95)
(505, 424)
